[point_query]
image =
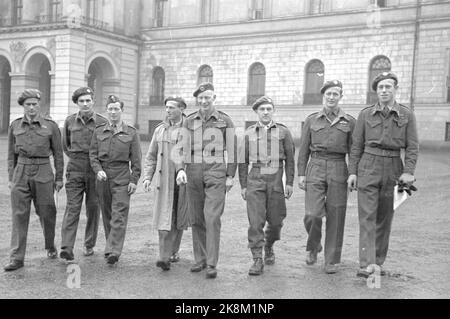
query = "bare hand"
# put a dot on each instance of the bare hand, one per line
(407, 179)
(101, 176)
(244, 193)
(229, 183)
(181, 177)
(302, 183)
(289, 190)
(147, 184)
(352, 183)
(58, 186)
(131, 188)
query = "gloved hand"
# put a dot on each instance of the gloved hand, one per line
(402, 187)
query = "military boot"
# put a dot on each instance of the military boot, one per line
(269, 255)
(257, 268)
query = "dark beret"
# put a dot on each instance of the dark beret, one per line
(114, 99)
(178, 99)
(80, 92)
(330, 84)
(203, 87)
(262, 100)
(29, 94)
(383, 76)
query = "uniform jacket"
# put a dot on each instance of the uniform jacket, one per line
(255, 151)
(108, 149)
(160, 167)
(397, 131)
(199, 137)
(39, 138)
(322, 135)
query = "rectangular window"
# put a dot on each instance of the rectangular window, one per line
(381, 3)
(17, 12)
(54, 10)
(206, 13)
(91, 11)
(447, 131)
(257, 10)
(159, 13)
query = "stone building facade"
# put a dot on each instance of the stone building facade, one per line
(145, 50)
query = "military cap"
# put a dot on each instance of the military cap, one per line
(114, 99)
(262, 100)
(203, 87)
(178, 99)
(29, 94)
(80, 92)
(330, 84)
(383, 76)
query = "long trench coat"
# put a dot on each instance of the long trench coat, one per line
(159, 168)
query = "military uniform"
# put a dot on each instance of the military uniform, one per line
(207, 170)
(30, 145)
(80, 179)
(115, 151)
(325, 141)
(266, 149)
(375, 157)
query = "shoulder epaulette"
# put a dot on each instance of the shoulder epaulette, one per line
(368, 107)
(281, 124)
(311, 115)
(100, 124)
(189, 115)
(102, 116)
(16, 120)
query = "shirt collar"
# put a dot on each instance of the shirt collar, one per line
(338, 112)
(92, 117)
(378, 108)
(37, 119)
(166, 122)
(121, 127)
(268, 126)
(214, 114)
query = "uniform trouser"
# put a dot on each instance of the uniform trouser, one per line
(169, 241)
(266, 206)
(80, 180)
(115, 205)
(32, 183)
(377, 177)
(326, 196)
(206, 194)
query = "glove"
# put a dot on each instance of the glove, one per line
(406, 188)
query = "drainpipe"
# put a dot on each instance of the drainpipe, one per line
(415, 50)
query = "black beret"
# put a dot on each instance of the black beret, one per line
(114, 99)
(203, 87)
(178, 99)
(262, 100)
(29, 94)
(383, 76)
(330, 84)
(80, 92)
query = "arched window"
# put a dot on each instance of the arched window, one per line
(157, 96)
(315, 73)
(378, 65)
(205, 74)
(256, 82)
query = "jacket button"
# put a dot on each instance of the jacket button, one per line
(162, 154)
(160, 172)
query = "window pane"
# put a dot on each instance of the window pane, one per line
(379, 65)
(205, 74)
(157, 97)
(315, 73)
(257, 82)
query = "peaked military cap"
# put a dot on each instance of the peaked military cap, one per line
(330, 84)
(383, 76)
(178, 99)
(29, 94)
(262, 100)
(114, 99)
(203, 87)
(80, 92)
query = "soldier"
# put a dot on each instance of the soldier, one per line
(325, 141)
(80, 178)
(170, 210)
(32, 139)
(375, 167)
(266, 146)
(208, 133)
(115, 148)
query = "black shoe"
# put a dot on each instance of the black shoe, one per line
(211, 272)
(311, 257)
(67, 255)
(362, 272)
(88, 251)
(257, 268)
(13, 265)
(52, 253)
(174, 258)
(112, 259)
(198, 267)
(164, 265)
(269, 255)
(331, 269)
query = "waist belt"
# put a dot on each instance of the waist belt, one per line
(114, 164)
(328, 155)
(33, 160)
(80, 156)
(268, 164)
(381, 152)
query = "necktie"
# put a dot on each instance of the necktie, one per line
(385, 111)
